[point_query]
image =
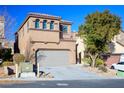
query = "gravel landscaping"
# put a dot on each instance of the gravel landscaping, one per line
(110, 72)
(4, 75)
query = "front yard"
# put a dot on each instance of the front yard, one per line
(71, 72)
(110, 72)
(6, 74)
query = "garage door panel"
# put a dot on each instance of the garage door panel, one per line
(48, 58)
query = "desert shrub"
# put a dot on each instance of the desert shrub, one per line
(102, 68)
(17, 58)
(7, 63)
(87, 60)
(5, 54)
(99, 62)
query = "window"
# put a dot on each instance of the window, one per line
(51, 25)
(64, 28)
(121, 63)
(44, 24)
(37, 22)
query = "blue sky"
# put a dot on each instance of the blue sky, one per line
(74, 13)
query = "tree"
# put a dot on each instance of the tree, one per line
(5, 54)
(17, 58)
(98, 31)
(9, 23)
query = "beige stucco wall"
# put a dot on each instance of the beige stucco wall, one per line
(69, 28)
(23, 37)
(44, 36)
(62, 45)
(80, 47)
(118, 48)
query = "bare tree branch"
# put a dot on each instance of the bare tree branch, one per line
(9, 23)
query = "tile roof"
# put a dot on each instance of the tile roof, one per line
(43, 15)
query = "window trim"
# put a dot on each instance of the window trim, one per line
(52, 25)
(44, 25)
(37, 24)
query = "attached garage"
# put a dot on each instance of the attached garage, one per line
(52, 58)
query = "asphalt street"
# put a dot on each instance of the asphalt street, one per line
(86, 83)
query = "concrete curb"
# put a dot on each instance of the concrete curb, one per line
(47, 79)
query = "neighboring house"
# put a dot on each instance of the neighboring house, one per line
(46, 39)
(117, 49)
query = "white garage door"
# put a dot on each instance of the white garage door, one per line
(52, 58)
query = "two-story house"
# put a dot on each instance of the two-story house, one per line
(47, 40)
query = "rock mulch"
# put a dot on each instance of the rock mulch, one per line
(109, 73)
(46, 75)
(3, 75)
(1, 72)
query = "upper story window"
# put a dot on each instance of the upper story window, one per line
(37, 23)
(64, 28)
(44, 24)
(51, 25)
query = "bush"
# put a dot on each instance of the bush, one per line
(87, 60)
(99, 62)
(7, 63)
(18, 58)
(5, 54)
(102, 68)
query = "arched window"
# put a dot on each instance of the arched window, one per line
(51, 25)
(44, 24)
(37, 22)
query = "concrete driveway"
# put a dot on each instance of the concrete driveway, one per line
(72, 72)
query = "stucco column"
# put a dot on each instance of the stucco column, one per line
(41, 24)
(16, 65)
(56, 25)
(38, 70)
(48, 24)
(69, 28)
